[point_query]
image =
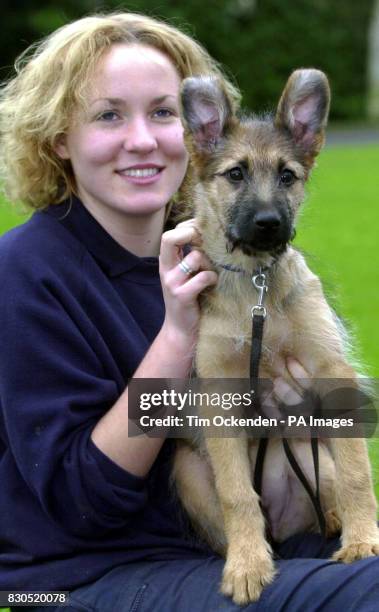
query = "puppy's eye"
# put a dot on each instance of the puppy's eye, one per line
(287, 177)
(234, 174)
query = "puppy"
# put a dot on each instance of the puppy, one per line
(245, 186)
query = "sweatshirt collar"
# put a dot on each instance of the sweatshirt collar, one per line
(112, 257)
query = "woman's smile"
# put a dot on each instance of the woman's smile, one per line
(142, 174)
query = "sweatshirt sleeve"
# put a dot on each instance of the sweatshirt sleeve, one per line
(53, 390)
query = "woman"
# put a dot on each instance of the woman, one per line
(92, 140)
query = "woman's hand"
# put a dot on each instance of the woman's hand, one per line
(288, 390)
(183, 279)
(290, 387)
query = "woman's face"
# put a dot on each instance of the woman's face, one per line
(127, 150)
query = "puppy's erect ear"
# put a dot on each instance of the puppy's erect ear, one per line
(206, 110)
(303, 109)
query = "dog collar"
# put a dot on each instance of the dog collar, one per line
(231, 268)
(239, 270)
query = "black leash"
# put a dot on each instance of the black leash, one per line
(258, 316)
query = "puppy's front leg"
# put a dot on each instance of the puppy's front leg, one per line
(356, 503)
(322, 355)
(249, 566)
(355, 500)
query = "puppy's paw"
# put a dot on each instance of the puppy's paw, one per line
(333, 523)
(246, 574)
(357, 550)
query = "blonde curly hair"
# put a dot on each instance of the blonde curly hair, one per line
(37, 104)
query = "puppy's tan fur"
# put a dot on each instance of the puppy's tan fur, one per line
(214, 476)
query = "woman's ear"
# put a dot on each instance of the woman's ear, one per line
(60, 147)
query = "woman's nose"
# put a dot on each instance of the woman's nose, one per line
(139, 137)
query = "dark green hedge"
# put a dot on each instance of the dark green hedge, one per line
(260, 41)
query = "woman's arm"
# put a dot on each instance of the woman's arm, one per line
(170, 355)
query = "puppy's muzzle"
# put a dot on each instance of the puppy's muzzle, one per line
(264, 230)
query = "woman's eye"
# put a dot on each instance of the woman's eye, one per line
(163, 113)
(287, 177)
(108, 116)
(234, 174)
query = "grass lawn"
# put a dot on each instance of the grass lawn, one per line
(338, 231)
(9, 217)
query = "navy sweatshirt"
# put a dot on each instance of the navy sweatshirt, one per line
(77, 314)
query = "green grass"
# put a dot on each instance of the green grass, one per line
(338, 231)
(9, 217)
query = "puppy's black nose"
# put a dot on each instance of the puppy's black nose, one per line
(267, 220)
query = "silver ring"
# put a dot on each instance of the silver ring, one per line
(183, 265)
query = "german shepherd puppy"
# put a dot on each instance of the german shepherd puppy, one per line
(245, 185)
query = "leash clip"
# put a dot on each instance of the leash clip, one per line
(259, 282)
